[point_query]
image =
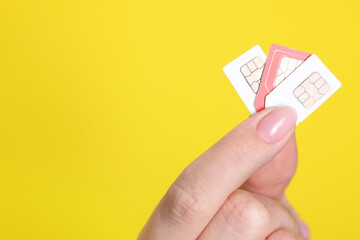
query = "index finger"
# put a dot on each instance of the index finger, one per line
(204, 185)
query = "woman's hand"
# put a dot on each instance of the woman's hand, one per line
(235, 190)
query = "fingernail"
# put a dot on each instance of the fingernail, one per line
(304, 229)
(277, 124)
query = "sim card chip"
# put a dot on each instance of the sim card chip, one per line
(252, 72)
(311, 90)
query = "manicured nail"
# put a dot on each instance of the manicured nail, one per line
(277, 124)
(304, 229)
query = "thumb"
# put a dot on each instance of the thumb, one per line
(272, 179)
(201, 189)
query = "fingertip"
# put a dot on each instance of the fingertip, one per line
(304, 229)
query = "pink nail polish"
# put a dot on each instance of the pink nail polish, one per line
(277, 124)
(304, 229)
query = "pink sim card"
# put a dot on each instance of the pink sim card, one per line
(281, 62)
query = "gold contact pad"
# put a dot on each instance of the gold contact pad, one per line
(311, 90)
(252, 72)
(287, 66)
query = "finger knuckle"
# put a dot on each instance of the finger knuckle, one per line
(244, 212)
(187, 204)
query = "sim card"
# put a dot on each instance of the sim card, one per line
(245, 73)
(309, 86)
(282, 61)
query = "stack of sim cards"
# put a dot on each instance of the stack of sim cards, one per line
(287, 78)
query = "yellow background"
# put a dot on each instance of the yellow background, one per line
(103, 103)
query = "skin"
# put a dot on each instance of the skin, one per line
(235, 190)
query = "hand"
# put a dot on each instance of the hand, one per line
(235, 190)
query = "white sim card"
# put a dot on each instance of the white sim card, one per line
(245, 73)
(309, 86)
